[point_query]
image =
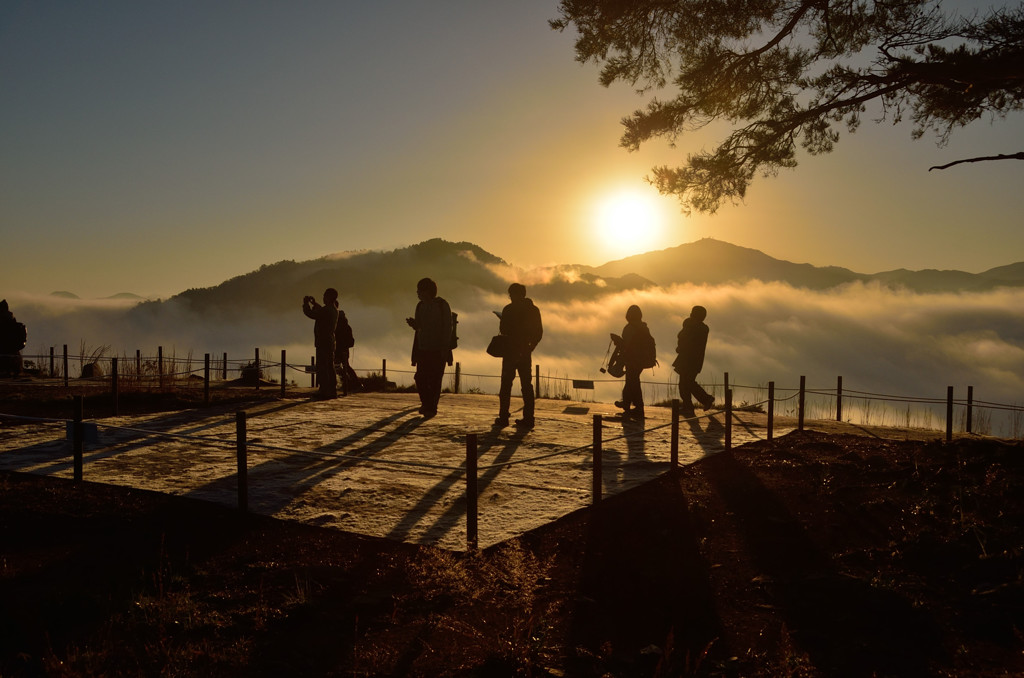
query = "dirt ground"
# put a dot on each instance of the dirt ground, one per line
(370, 464)
(819, 553)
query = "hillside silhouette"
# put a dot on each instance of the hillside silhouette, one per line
(715, 262)
(464, 270)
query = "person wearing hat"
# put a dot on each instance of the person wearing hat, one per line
(691, 343)
(636, 337)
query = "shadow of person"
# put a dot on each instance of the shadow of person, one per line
(668, 600)
(447, 521)
(708, 432)
(633, 432)
(848, 626)
(276, 482)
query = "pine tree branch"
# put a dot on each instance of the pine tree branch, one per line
(1012, 156)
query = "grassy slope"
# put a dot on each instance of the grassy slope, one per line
(810, 555)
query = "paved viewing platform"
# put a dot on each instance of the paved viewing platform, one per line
(369, 463)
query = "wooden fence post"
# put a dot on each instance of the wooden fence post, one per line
(114, 385)
(224, 374)
(839, 399)
(52, 366)
(312, 372)
(536, 381)
(206, 378)
(243, 465)
(458, 375)
(771, 409)
(674, 450)
(471, 492)
(78, 436)
(725, 383)
(970, 409)
(384, 370)
(800, 403)
(949, 413)
(284, 374)
(596, 486)
(160, 365)
(728, 419)
(65, 365)
(256, 362)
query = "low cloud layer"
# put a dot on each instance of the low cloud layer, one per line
(877, 339)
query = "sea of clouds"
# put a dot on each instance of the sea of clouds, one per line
(881, 341)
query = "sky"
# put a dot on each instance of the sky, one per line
(154, 147)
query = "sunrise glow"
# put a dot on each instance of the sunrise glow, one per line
(628, 222)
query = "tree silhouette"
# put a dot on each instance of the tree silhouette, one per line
(789, 73)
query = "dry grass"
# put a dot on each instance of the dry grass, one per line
(812, 555)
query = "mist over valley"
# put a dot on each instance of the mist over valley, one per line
(898, 332)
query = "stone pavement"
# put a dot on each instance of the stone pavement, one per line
(369, 464)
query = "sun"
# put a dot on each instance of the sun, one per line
(628, 222)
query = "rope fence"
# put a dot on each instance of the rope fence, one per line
(77, 426)
(138, 372)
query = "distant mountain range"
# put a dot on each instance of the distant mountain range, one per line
(462, 270)
(120, 296)
(714, 262)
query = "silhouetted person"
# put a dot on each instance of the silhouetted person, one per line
(326, 321)
(344, 340)
(522, 327)
(636, 344)
(431, 345)
(12, 339)
(691, 343)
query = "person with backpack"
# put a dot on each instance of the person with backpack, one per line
(326, 322)
(521, 326)
(344, 340)
(431, 345)
(691, 343)
(638, 353)
(13, 337)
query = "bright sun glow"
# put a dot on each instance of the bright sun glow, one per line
(628, 222)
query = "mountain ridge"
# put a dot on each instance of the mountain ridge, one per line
(701, 261)
(462, 269)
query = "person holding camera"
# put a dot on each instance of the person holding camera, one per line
(325, 319)
(431, 345)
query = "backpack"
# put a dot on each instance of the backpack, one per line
(646, 351)
(535, 328)
(343, 337)
(14, 339)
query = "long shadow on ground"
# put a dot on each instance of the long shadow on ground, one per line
(848, 627)
(630, 612)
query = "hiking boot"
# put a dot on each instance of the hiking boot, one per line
(707, 404)
(525, 423)
(501, 422)
(622, 405)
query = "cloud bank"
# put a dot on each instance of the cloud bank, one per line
(879, 340)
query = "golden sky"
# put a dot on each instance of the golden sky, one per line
(151, 148)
